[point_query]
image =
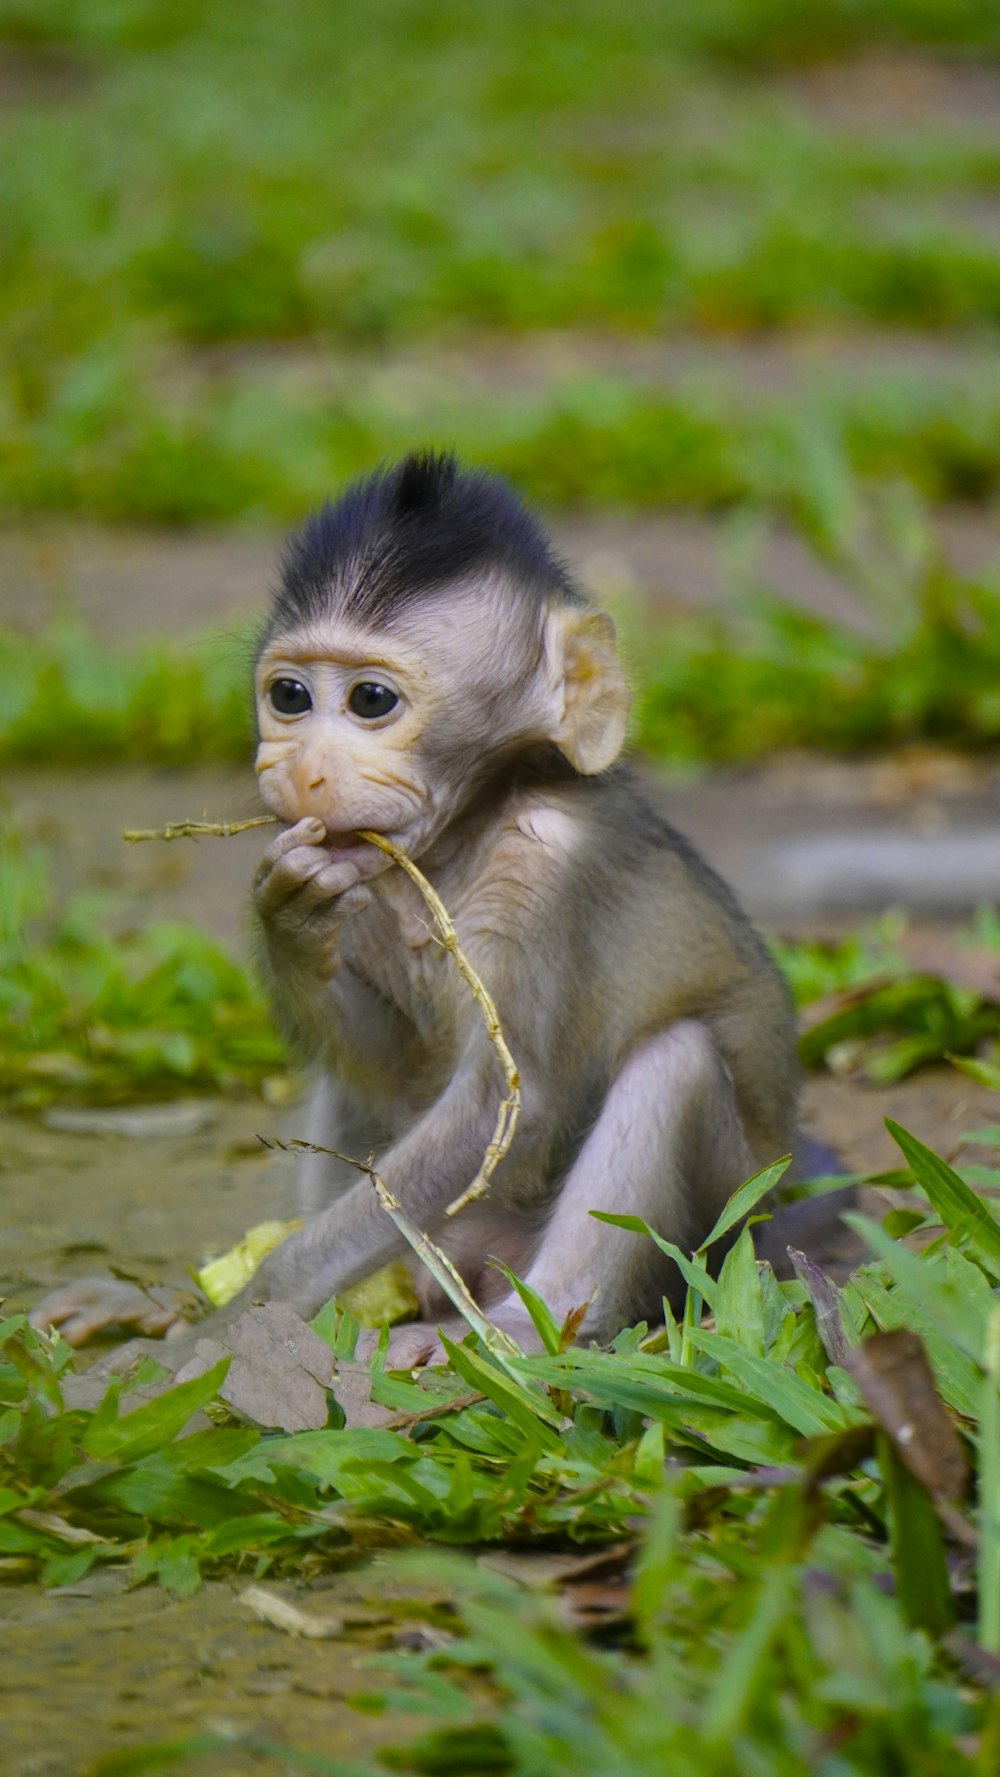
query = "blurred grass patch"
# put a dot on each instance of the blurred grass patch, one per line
(264, 440)
(712, 688)
(376, 174)
(724, 690)
(66, 699)
(874, 1008)
(100, 1011)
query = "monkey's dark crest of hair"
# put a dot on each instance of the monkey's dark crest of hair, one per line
(407, 530)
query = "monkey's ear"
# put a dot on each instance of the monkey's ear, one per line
(591, 691)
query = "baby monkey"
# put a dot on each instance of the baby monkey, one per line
(430, 671)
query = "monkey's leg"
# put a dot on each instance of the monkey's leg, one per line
(668, 1146)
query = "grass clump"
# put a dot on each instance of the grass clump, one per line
(724, 691)
(102, 1012)
(259, 439)
(66, 699)
(870, 1009)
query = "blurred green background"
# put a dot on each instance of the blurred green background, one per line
(734, 265)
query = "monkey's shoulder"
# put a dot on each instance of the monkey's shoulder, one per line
(514, 868)
(590, 837)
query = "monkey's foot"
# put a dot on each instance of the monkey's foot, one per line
(417, 1345)
(87, 1388)
(412, 1346)
(95, 1305)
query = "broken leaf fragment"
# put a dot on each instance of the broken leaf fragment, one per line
(388, 1295)
(223, 1278)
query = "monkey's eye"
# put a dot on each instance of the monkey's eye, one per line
(371, 700)
(289, 697)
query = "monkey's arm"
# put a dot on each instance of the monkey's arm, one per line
(427, 1168)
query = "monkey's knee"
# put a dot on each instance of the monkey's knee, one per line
(668, 1146)
(672, 1112)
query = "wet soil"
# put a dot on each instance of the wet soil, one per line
(93, 1667)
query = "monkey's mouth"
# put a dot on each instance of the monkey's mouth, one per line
(348, 848)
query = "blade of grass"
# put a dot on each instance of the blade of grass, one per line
(747, 1198)
(542, 1318)
(989, 1492)
(961, 1210)
(918, 1556)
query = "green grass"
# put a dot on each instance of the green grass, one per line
(380, 174)
(812, 1589)
(778, 679)
(888, 1017)
(263, 440)
(67, 699)
(105, 1010)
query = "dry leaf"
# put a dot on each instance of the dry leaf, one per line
(280, 1373)
(271, 1607)
(352, 1389)
(895, 1377)
(823, 1294)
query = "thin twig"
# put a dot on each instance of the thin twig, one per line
(510, 1105)
(200, 829)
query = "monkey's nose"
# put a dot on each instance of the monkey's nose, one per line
(310, 780)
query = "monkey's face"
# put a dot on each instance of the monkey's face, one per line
(339, 717)
(390, 729)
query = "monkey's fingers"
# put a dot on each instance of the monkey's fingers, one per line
(308, 831)
(92, 1305)
(308, 876)
(412, 1346)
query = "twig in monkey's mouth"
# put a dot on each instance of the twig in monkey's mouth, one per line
(510, 1104)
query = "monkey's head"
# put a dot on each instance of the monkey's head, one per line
(424, 634)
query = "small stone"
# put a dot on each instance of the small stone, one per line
(138, 1122)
